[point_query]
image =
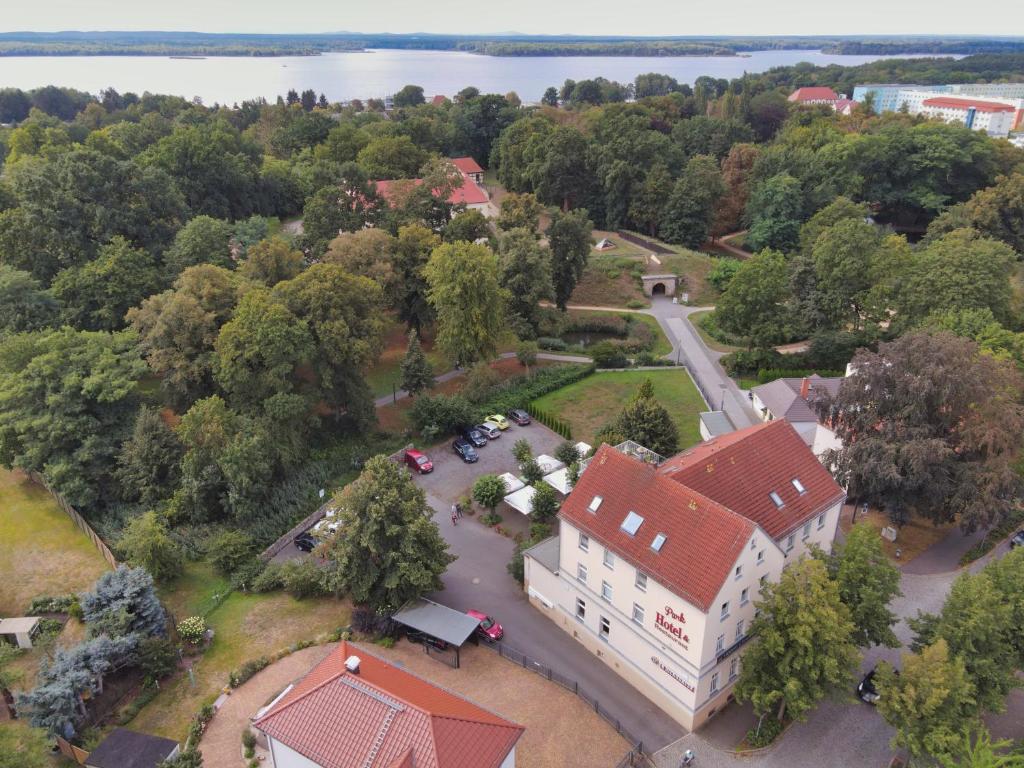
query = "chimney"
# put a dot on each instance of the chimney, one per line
(805, 388)
(352, 664)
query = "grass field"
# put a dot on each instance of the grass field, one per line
(693, 267)
(696, 320)
(245, 627)
(387, 371)
(591, 403)
(607, 280)
(41, 550)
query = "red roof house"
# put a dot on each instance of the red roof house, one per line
(467, 165)
(355, 710)
(814, 95)
(470, 193)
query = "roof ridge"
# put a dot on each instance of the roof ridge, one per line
(305, 694)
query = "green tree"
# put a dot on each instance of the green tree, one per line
(391, 551)
(1007, 574)
(96, 295)
(996, 212)
(649, 199)
(550, 97)
(147, 466)
(867, 583)
(774, 211)
(24, 304)
(839, 210)
(544, 504)
(976, 622)
(977, 750)
(409, 96)
(519, 211)
(488, 491)
(522, 451)
(147, 544)
(229, 550)
(391, 157)
(468, 300)
(468, 226)
(753, 306)
(66, 401)
(569, 238)
(929, 703)
(526, 354)
(560, 169)
(526, 275)
(271, 261)
(944, 440)
(345, 206)
(415, 244)
(645, 421)
(417, 373)
(689, 211)
(203, 240)
(206, 431)
(981, 326)
(844, 257)
(804, 647)
(370, 253)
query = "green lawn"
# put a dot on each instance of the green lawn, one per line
(387, 372)
(591, 403)
(693, 267)
(245, 627)
(41, 550)
(607, 280)
(696, 320)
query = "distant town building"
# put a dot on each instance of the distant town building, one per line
(469, 167)
(991, 119)
(658, 563)
(814, 95)
(470, 193)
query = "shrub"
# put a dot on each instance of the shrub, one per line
(52, 604)
(636, 304)
(239, 676)
(532, 473)
(249, 742)
(229, 550)
(386, 642)
(303, 578)
(146, 542)
(722, 273)
(522, 451)
(157, 657)
(269, 579)
(608, 355)
(245, 575)
(519, 391)
(567, 453)
(441, 414)
(766, 734)
(490, 519)
(544, 504)
(192, 629)
(589, 322)
(747, 362)
(367, 621)
(488, 491)
(556, 345)
(480, 380)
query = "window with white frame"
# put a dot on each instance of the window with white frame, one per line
(638, 614)
(720, 644)
(605, 628)
(641, 581)
(581, 608)
(789, 541)
(734, 668)
(739, 572)
(821, 521)
(725, 610)
(609, 559)
(745, 596)
(807, 531)
(584, 542)
(714, 683)
(739, 630)
(606, 591)
(581, 572)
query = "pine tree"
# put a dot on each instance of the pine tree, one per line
(645, 421)
(125, 599)
(417, 373)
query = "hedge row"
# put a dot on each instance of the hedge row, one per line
(764, 375)
(551, 422)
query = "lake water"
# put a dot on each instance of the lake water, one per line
(373, 73)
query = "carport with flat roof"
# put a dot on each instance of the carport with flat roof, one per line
(438, 621)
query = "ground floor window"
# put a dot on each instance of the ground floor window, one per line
(581, 608)
(606, 627)
(734, 668)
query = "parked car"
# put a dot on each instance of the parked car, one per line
(866, 690)
(305, 542)
(474, 435)
(324, 527)
(466, 451)
(489, 429)
(499, 421)
(418, 461)
(519, 416)
(415, 636)
(488, 629)
(1018, 539)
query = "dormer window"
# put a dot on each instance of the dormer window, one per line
(798, 485)
(632, 523)
(659, 542)
(595, 503)
(776, 499)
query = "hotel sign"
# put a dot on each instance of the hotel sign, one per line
(683, 681)
(671, 623)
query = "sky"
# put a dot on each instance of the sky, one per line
(584, 17)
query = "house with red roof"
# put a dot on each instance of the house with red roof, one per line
(354, 710)
(994, 117)
(469, 194)
(814, 95)
(658, 562)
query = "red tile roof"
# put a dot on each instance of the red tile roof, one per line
(739, 471)
(335, 718)
(945, 102)
(469, 193)
(703, 538)
(467, 165)
(438, 100)
(815, 93)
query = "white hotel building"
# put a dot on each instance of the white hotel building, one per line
(657, 564)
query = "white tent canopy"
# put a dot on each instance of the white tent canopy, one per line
(548, 464)
(522, 500)
(583, 449)
(559, 480)
(512, 483)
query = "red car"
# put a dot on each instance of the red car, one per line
(489, 629)
(418, 461)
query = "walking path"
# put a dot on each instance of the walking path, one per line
(724, 244)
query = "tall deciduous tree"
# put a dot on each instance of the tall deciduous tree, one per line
(347, 206)
(147, 467)
(488, 491)
(944, 438)
(24, 304)
(389, 550)
(370, 253)
(753, 306)
(560, 169)
(774, 210)
(687, 216)
(468, 299)
(415, 244)
(737, 168)
(569, 238)
(203, 240)
(804, 647)
(649, 199)
(526, 275)
(271, 261)
(519, 211)
(929, 702)
(417, 374)
(996, 212)
(147, 544)
(977, 750)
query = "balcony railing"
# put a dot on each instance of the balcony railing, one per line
(634, 449)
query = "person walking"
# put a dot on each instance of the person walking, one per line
(458, 510)
(455, 517)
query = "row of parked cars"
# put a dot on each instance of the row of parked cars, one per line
(470, 438)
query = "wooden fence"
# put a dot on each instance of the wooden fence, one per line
(71, 751)
(79, 520)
